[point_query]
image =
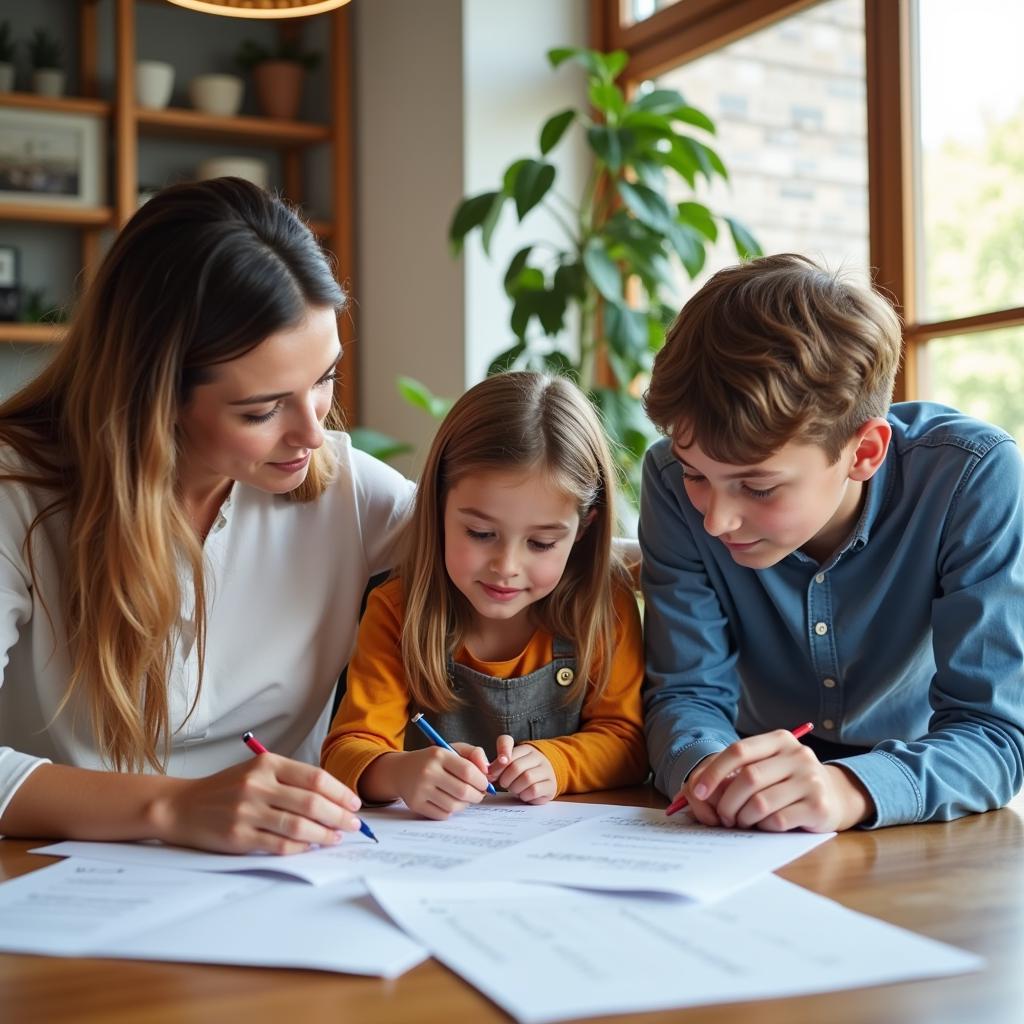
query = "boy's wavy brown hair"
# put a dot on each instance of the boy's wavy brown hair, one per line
(772, 351)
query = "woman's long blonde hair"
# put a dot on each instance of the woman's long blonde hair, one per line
(513, 421)
(199, 276)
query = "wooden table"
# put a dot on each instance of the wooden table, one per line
(961, 882)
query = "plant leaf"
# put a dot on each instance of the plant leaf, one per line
(421, 397)
(558, 362)
(659, 101)
(590, 59)
(551, 311)
(490, 222)
(506, 360)
(553, 130)
(379, 445)
(602, 270)
(699, 217)
(746, 244)
(606, 97)
(606, 142)
(514, 269)
(532, 183)
(614, 62)
(468, 215)
(691, 115)
(689, 247)
(647, 205)
(626, 330)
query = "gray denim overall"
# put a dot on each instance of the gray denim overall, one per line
(530, 707)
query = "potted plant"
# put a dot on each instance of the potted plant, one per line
(6, 57)
(277, 74)
(46, 55)
(628, 239)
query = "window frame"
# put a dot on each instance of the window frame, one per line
(689, 29)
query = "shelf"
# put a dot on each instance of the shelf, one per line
(193, 124)
(54, 104)
(33, 333)
(83, 216)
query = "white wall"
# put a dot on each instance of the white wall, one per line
(448, 94)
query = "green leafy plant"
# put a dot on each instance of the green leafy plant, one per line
(7, 46)
(628, 239)
(251, 54)
(45, 50)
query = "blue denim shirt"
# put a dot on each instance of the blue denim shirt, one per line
(909, 639)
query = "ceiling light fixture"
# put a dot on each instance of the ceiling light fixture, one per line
(261, 8)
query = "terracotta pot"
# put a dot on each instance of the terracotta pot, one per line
(279, 87)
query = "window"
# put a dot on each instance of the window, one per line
(895, 131)
(788, 103)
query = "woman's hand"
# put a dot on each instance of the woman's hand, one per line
(269, 803)
(434, 782)
(523, 771)
(773, 782)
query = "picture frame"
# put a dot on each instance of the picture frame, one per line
(52, 159)
(10, 280)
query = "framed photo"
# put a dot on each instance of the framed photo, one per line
(10, 294)
(53, 159)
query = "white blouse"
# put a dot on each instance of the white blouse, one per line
(284, 584)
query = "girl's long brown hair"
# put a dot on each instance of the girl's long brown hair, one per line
(200, 275)
(513, 421)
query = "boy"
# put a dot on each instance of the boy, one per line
(810, 553)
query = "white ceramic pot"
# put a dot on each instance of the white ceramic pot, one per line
(6, 76)
(246, 167)
(154, 81)
(48, 82)
(217, 94)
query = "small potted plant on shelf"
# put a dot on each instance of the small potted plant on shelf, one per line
(6, 57)
(277, 74)
(47, 58)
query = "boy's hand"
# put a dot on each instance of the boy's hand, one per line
(434, 782)
(773, 782)
(524, 771)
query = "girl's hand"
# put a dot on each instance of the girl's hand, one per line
(773, 782)
(269, 803)
(434, 782)
(524, 771)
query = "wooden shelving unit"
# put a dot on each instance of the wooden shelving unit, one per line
(127, 123)
(32, 333)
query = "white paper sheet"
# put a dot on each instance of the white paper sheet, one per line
(637, 849)
(546, 954)
(407, 842)
(96, 908)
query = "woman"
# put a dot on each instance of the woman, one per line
(183, 546)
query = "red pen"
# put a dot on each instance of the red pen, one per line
(680, 802)
(254, 744)
(257, 748)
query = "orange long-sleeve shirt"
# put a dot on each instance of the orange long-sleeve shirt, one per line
(608, 750)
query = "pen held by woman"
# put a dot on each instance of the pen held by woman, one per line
(257, 748)
(681, 801)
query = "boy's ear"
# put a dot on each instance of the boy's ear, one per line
(585, 522)
(871, 445)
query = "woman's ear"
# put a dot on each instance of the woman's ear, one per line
(584, 523)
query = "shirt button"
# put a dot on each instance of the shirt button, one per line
(820, 628)
(828, 683)
(820, 578)
(828, 723)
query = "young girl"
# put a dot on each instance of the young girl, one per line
(509, 623)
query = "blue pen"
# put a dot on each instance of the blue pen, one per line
(438, 740)
(257, 748)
